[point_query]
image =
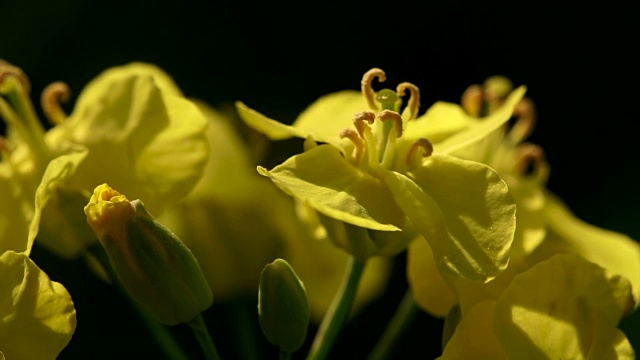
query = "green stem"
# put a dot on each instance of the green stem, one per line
(284, 355)
(159, 333)
(402, 318)
(204, 339)
(338, 312)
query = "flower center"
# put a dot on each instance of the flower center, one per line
(377, 139)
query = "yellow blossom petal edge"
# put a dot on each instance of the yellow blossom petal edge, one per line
(463, 209)
(273, 129)
(323, 120)
(37, 315)
(562, 308)
(343, 193)
(614, 251)
(57, 229)
(480, 129)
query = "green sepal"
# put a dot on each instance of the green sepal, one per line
(157, 269)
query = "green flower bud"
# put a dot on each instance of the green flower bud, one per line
(283, 308)
(153, 265)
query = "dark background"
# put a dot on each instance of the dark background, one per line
(577, 63)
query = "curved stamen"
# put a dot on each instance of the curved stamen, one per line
(472, 100)
(413, 155)
(526, 119)
(357, 142)
(7, 70)
(386, 115)
(54, 94)
(414, 98)
(360, 118)
(532, 157)
(365, 85)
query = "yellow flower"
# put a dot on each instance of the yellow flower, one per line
(377, 174)
(545, 226)
(130, 126)
(235, 222)
(562, 308)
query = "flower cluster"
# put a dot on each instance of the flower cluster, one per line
(458, 189)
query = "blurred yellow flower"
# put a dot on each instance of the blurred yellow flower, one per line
(130, 127)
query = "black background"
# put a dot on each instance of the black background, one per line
(577, 62)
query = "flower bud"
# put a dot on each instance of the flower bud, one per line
(283, 308)
(153, 265)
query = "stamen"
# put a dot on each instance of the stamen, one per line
(472, 100)
(395, 117)
(360, 118)
(526, 120)
(8, 70)
(54, 94)
(531, 157)
(414, 99)
(364, 131)
(365, 85)
(413, 157)
(357, 142)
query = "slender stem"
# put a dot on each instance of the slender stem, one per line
(204, 339)
(159, 332)
(285, 355)
(402, 318)
(246, 330)
(338, 312)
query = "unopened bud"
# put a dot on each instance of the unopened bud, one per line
(283, 308)
(153, 265)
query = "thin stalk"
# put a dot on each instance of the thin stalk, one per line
(402, 318)
(204, 339)
(338, 312)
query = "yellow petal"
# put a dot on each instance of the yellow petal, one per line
(481, 128)
(429, 289)
(326, 117)
(562, 308)
(474, 337)
(56, 221)
(615, 252)
(464, 211)
(322, 178)
(37, 317)
(323, 120)
(142, 136)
